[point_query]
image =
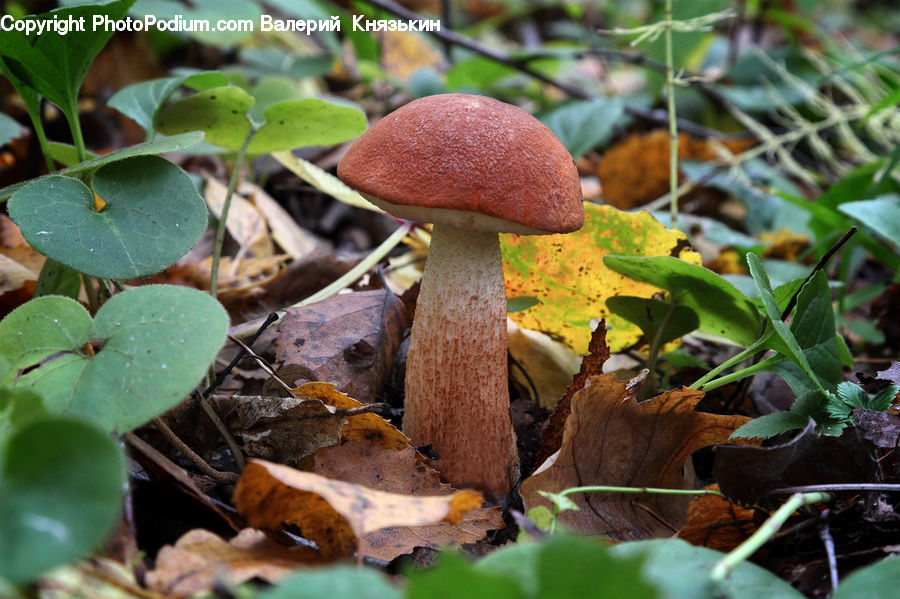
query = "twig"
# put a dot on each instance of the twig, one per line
(270, 319)
(828, 488)
(262, 363)
(819, 266)
(233, 447)
(828, 542)
(187, 452)
(449, 36)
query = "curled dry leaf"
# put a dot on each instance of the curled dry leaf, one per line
(591, 365)
(333, 514)
(358, 427)
(200, 559)
(611, 439)
(286, 429)
(349, 340)
(365, 463)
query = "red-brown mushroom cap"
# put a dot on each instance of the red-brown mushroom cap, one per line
(458, 158)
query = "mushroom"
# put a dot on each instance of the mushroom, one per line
(474, 167)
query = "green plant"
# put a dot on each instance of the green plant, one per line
(809, 354)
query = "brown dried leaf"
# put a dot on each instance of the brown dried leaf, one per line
(245, 224)
(402, 472)
(286, 429)
(591, 365)
(717, 523)
(293, 239)
(334, 514)
(349, 340)
(199, 559)
(611, 439)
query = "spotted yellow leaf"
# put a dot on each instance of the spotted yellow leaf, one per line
(567, 275)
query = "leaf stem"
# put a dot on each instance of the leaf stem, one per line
(223, 217)
(673, 124)
(646, 490)
(765, 532)
(75, 127)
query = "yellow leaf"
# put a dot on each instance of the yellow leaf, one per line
(566, 273)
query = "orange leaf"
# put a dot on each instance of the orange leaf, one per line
(335, 514)
(358, 427)
(402, 472)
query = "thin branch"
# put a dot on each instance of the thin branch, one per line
(190, 454)
(449, 36)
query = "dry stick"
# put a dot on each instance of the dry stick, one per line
(226, 434)
(449, 36)
(262, 363)
(828, 542)
(187, 452)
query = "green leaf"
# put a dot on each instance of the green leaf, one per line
(681, 570)
(40, 328)
(61, 483)
(153, 216)
(54, 65)
(158, 341)
(308, 122)
(58, 279)
(517, 304)
(722, 309)
(585, 124)
(454, 577)
(67, 154)
(783, 340)
(477, 73)
(566, 566)
(872, 582)
(881, 215)
(273, 61)
(324, 181)
(770, 425)
(141, 101)
(649, 314)
(220, 112)
(333, 582)
(160, 145)
(10, 129)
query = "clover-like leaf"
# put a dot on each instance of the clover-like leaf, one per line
(153, 216)
(158, 341)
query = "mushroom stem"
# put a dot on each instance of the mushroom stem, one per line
(457, 395)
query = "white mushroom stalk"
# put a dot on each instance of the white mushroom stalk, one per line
(456, 383)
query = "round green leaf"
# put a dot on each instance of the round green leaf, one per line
(220, 112)
(153, 216)
(308, 122)
(158, 343)
(60, 489)
(41, 328)
(682, 570)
